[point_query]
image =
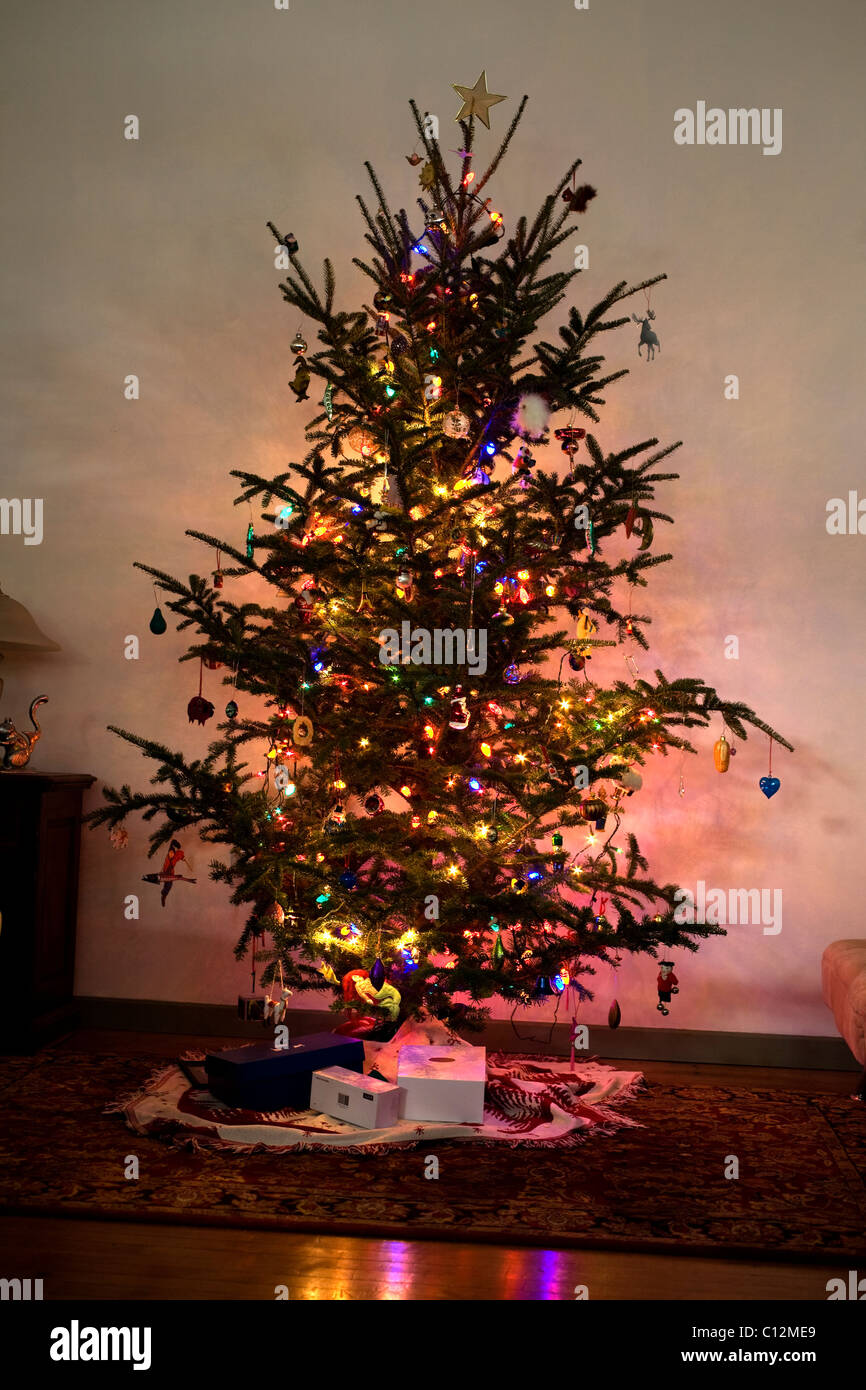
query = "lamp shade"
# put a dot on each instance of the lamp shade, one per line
(18, 631)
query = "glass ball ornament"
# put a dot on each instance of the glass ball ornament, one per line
(374, 804)
(456, 425)
(232, 710)
(361, 441)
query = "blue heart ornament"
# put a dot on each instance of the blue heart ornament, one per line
(769, 786)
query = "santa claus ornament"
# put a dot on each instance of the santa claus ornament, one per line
(305, 602)
(405, 584)
(667, 984)
(459, 711)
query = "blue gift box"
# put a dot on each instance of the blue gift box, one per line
(266, 1078)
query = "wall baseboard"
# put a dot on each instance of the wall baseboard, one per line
(643, 1044)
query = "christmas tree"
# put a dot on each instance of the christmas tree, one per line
(415, 724)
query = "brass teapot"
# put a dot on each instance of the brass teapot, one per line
(15, 746)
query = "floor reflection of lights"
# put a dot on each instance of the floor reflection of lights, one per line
(398, 1270)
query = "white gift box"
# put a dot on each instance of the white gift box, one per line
(443, 1083)
(362, 1100)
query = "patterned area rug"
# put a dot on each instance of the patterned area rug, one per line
(660, 1185)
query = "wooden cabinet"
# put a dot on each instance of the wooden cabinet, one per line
(40, 836)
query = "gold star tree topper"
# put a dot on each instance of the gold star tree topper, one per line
(477, 101)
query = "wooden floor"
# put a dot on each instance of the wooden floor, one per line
(83, 1259)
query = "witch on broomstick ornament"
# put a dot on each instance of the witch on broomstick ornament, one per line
(167, 876)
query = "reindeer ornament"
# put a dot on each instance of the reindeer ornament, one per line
(647, 336)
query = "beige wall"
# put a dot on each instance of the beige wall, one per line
(152, 258)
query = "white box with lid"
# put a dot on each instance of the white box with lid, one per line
(443, 1083)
